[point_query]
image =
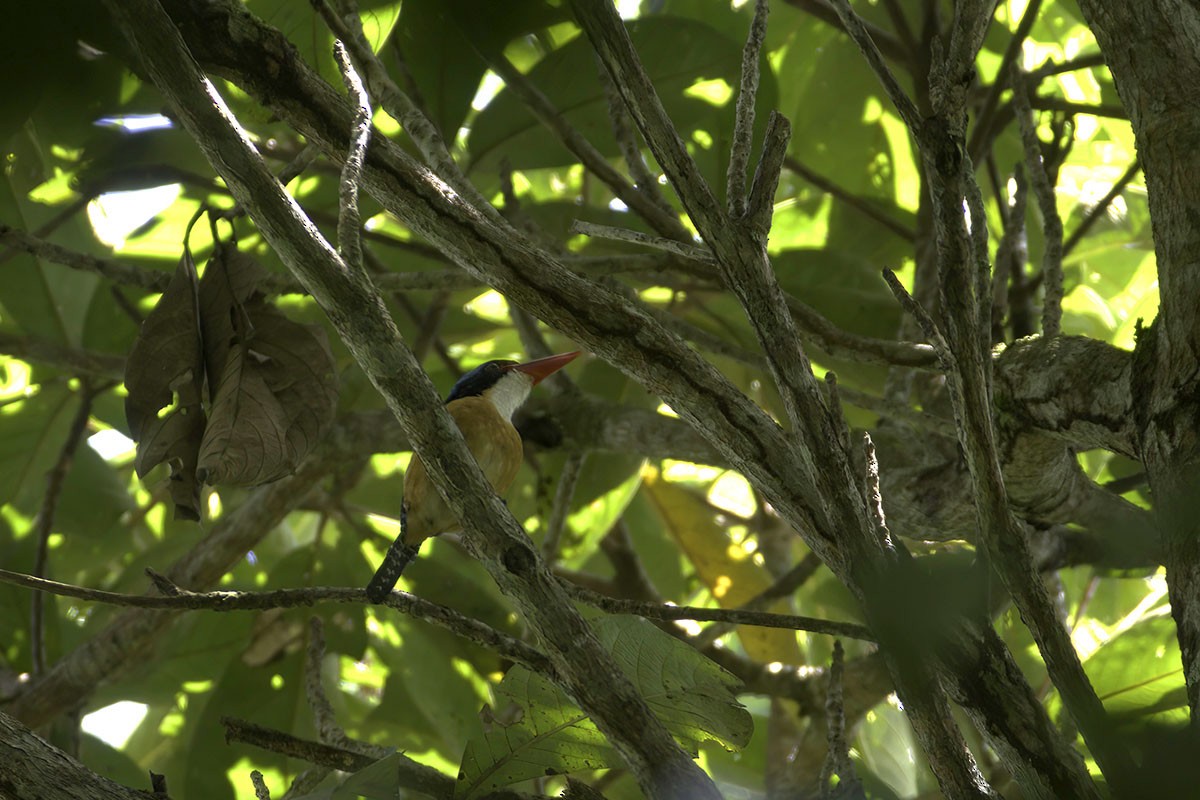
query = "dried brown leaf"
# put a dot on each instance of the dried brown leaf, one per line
(164, 376)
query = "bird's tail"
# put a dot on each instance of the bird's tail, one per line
(394, 562)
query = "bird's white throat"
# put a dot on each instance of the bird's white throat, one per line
(510, 392)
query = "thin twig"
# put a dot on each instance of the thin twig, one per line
(875, 494)
(629, 573)
(643, 180)
(760, 205)
(562, 505)
(838, 758)
(889, 45)
(855, 202)
(1052, 226)
(743, 128)
(400, 107)
(306, 781)
(45, 521)
(786, 585)
(900, 23)
(404, 602)
(290, 171)
(1097, 211)
(1044, 102)
(981, 295)
(324, 718)
(980, 135)
(58, 219)
(918, 312)
(1051, 68)
(898, 411)
(733, 616)
(435, 313)
(151, 280)
(1011, 253)
(694, 252)
(663, 220)
(858, 32)
(237, 730)
(349, 223)
(307, 156)
(833, 406)
(261, 792)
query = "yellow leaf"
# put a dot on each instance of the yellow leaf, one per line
(725, 567)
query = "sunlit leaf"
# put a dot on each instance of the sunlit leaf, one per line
(726, 569)
(537, 730)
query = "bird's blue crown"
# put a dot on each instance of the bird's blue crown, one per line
(480, 379)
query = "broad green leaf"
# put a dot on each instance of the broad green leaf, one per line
(1139, 671)
(32, 432)
(692, 696)
(42, 299)
(537, 730)
(377, 781)
(435, 689)
(845, 288)
(271, 695)
(834, 101)
(94, 499)
(116, 765)
(444, 44)
(887, 747)
(695, 71)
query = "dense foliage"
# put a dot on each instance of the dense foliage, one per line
(301, 495)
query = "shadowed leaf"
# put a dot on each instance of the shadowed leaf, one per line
(542, 732)
(230, 280)
(164, 377)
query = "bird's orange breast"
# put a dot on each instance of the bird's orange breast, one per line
(495, 444)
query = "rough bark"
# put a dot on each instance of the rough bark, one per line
(1153, 50)
(35, 770)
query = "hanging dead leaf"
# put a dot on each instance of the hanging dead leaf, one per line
(231, 279)
(164, 377)
(274, 400)
(272, 386)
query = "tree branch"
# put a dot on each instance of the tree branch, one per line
(35, 769)
(585, 669)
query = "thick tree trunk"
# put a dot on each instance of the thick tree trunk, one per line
(1151, 48)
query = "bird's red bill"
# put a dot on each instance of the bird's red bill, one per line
(543, 368)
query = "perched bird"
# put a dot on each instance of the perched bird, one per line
(482, 404)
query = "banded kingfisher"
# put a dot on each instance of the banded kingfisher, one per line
(481, 403)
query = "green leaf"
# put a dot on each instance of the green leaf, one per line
(43, 299)
(1139, 670)
(32, 433)
(444, 43)
(695, 70)
(423, 675)
(537, 730)
(693, 697)
(541, 732)
(378, 781)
